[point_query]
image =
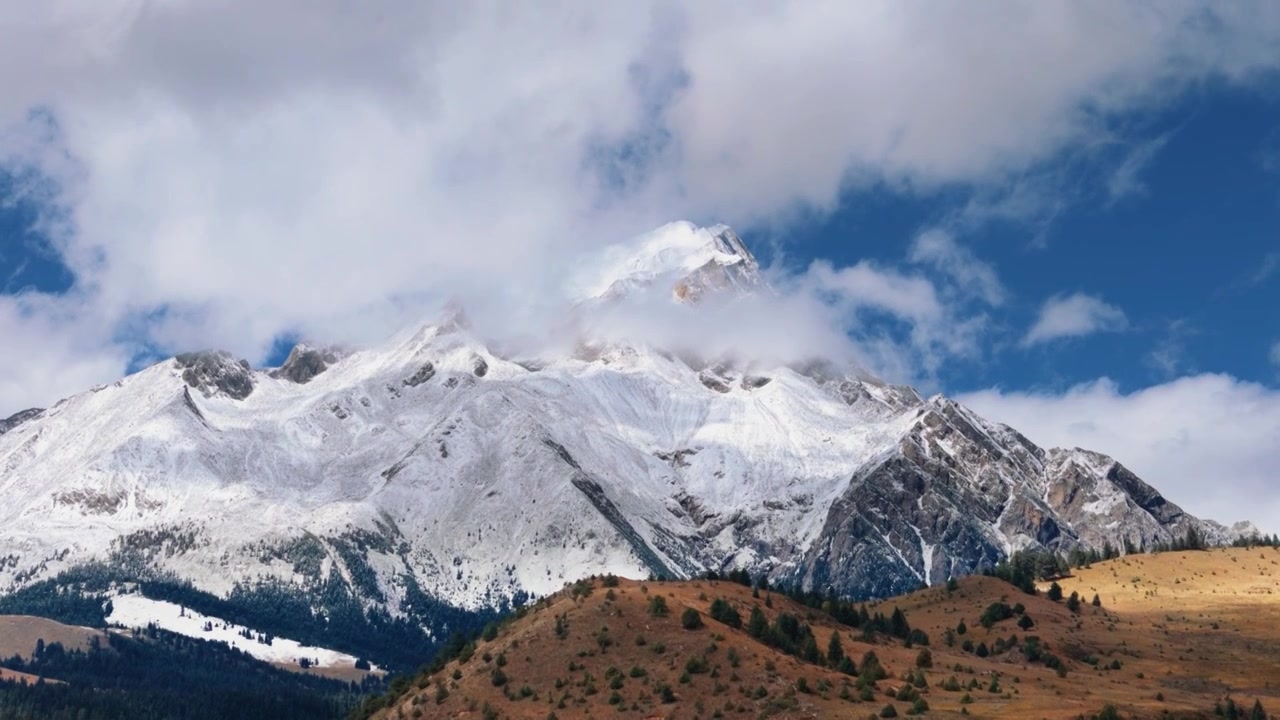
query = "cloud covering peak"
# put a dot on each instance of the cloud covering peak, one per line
(225, 177)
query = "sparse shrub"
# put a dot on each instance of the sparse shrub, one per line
(691, 619)
(696, 664)
(658, 606)
(723, 612)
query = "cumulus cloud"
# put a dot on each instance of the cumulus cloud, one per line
(332, 170)
(1210, 443)
(1075, 315)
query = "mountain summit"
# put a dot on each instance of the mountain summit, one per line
(679, 257)
(435, 469)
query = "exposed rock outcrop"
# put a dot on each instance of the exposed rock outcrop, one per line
(215, 372)
(305, 362)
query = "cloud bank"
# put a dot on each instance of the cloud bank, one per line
(228, 176)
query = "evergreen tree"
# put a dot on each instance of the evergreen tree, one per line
(691, 619)
(835, 651)
(809, 651)
(658, 606)
(1055, 592)
(757, 624)
(722, 611)
(846, 666)
(898, 624)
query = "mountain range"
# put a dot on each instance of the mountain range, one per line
(438, 466)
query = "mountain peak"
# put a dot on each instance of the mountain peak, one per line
(216, 371)
(681, 257)
(305, 362)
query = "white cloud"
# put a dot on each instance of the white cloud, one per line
(1126, 180)
(1210, 443)
(865, 285)
(1169, 357)
(940, 250)
(1065, 316)
(333, 169)
(1274, 355)
(54, 347)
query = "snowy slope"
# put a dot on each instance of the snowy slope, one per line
(431, 464)
(136, 611)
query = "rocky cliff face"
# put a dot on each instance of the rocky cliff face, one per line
(958, 494)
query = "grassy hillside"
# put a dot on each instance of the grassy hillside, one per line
(20, 633)
(1175, 635)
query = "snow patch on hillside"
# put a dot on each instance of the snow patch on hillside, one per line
(136, 611)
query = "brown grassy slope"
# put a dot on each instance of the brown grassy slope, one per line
(1157, 620)
(1197, 623)
(1156, 623)
(7, 675)
(345, 673)
(536, 658)
(19, 633)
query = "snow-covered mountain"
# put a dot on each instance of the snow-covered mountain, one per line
(432, 465)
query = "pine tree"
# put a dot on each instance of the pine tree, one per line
(809, 651)
(1055, 592)
(658, 606)
(847, 667)
(898, 624)
(1257, 713)
(757, 624)
(1097, 601)
(835, 651)
(691, 619)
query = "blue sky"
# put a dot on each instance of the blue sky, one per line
(1190, 254)
(1064, 213)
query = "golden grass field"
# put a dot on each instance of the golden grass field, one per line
(19, 633)
(1176, 633)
